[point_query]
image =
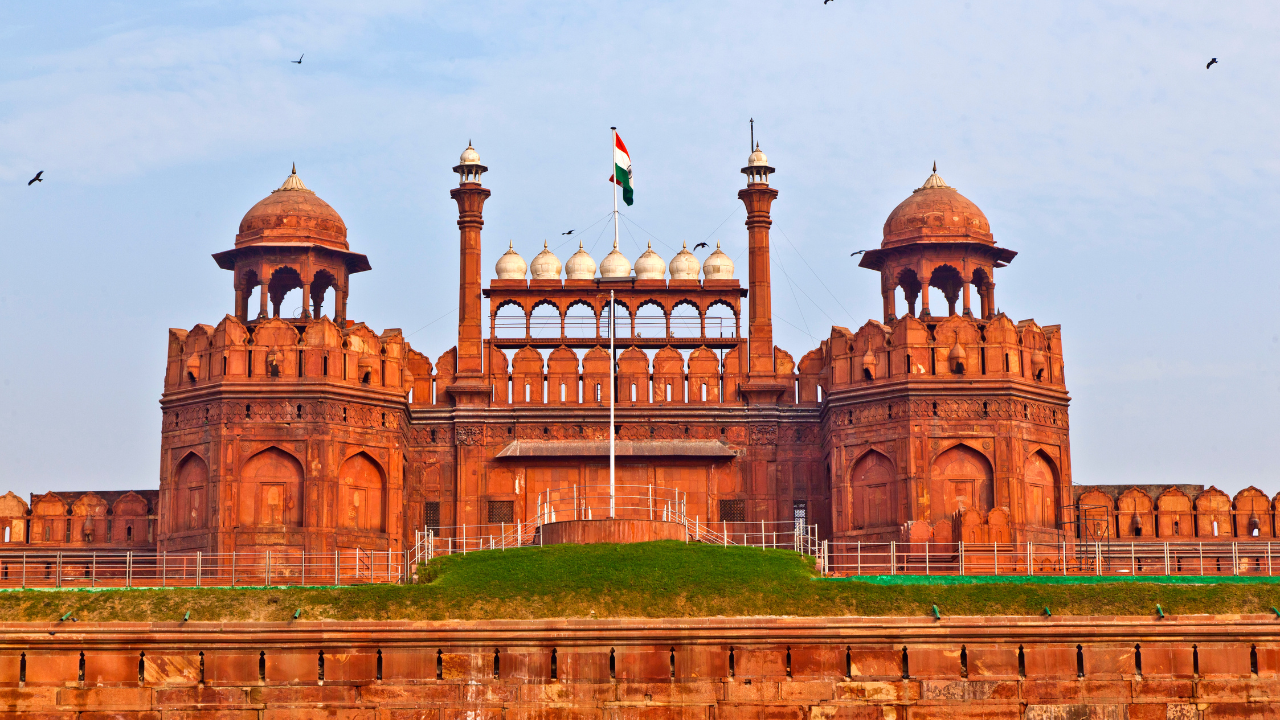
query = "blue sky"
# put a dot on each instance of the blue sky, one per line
(1139, 189)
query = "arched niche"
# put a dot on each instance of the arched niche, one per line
(961, 479)
(191, 489)
(271, 490)
(362, 489)
(875, 493)
(1041, 491)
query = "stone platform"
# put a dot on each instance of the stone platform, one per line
(616, 530)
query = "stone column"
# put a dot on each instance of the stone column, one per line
(262, 289)
(306, 301)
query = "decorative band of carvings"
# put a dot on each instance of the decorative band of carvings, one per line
(953, 409)
(282, 411)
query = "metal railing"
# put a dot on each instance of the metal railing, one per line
(126, 569)
(1111, 558)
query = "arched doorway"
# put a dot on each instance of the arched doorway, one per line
(362, 488)
(191, 488)
(874, 497)
(961, 480)
(1041, 500)
(271, 490)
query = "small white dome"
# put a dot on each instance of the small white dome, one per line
(717, 266)
(546, 266)
(469, 156)
(615, 264)
(757, 158)
(684, 266)
(650, 265)
(511, 266)
(580, 266)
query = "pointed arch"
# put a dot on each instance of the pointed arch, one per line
(961, 478)
(362, 487)
(873, 478)
(271, 490)
(1041, 494)
(191, 483)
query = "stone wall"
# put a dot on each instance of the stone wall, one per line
(1047, 668)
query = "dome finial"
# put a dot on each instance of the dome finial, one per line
(935, 166)
(295, 169)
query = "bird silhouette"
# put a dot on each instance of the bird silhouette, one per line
(699, 246)
(857, 253)
(824, 2)
(567, 233)
(1212, 62)
(36, 179)
(299, 60)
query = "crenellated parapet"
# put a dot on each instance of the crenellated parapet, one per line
(1172, 513)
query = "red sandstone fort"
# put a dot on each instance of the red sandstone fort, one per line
(943, 420)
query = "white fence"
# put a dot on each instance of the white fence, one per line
(110, 568)
(1114, 558)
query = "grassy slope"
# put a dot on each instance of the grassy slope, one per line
(667, 579)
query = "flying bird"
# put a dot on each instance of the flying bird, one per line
(824, 2)
(1212, 62)
(299, 60)
(36, 179)
(568, 233)
(857, 253)
(699, 246)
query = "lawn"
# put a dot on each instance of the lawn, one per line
(663, 579)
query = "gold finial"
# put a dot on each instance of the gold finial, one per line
(295, 169)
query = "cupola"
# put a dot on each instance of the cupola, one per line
(469, 168)
(685, 266)
(615, 264)
(292, 213)
(650, 265)
(580, 266)
(546, 266)
(511, 266)
(757, 169)
(717, 266)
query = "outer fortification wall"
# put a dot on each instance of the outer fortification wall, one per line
(1047, 668)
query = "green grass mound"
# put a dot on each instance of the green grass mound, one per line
(662, 579)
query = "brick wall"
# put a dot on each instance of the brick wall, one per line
(1135, 668)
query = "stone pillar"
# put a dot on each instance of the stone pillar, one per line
(262, 289)
(470, 197)
(924, 299)
(306, 301)
(758, 198)
(339, 306)
(967, 311)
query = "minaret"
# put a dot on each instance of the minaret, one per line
(762, 387)
(470, 197)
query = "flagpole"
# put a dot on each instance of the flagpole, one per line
(613, 385)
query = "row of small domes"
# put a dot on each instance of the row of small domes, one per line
(649, 266)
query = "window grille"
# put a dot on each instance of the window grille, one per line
(501, 511)
(733, 510)
(800, 511)
(431, 515)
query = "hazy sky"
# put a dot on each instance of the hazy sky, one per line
(1140, 190)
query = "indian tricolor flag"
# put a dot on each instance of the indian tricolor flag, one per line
(622, 168)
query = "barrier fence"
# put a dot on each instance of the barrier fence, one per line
(1112, 558)
(115, 569)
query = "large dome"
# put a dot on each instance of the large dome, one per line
(935, 211)
(292, 214)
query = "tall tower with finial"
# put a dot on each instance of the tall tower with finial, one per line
(470, 196)
(762, 386)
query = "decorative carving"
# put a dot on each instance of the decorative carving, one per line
(764, 434)
(469, 434)
(954, 409)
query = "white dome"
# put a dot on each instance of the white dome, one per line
(717, 266)
(580, 266)
(757, 158)
(511, 266)
(546, 266)
(650, 265)
(684, 266)
(469, 156)
(615, 264)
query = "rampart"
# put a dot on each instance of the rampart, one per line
(1041, 668)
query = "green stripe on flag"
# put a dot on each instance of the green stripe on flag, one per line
(623, 178)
